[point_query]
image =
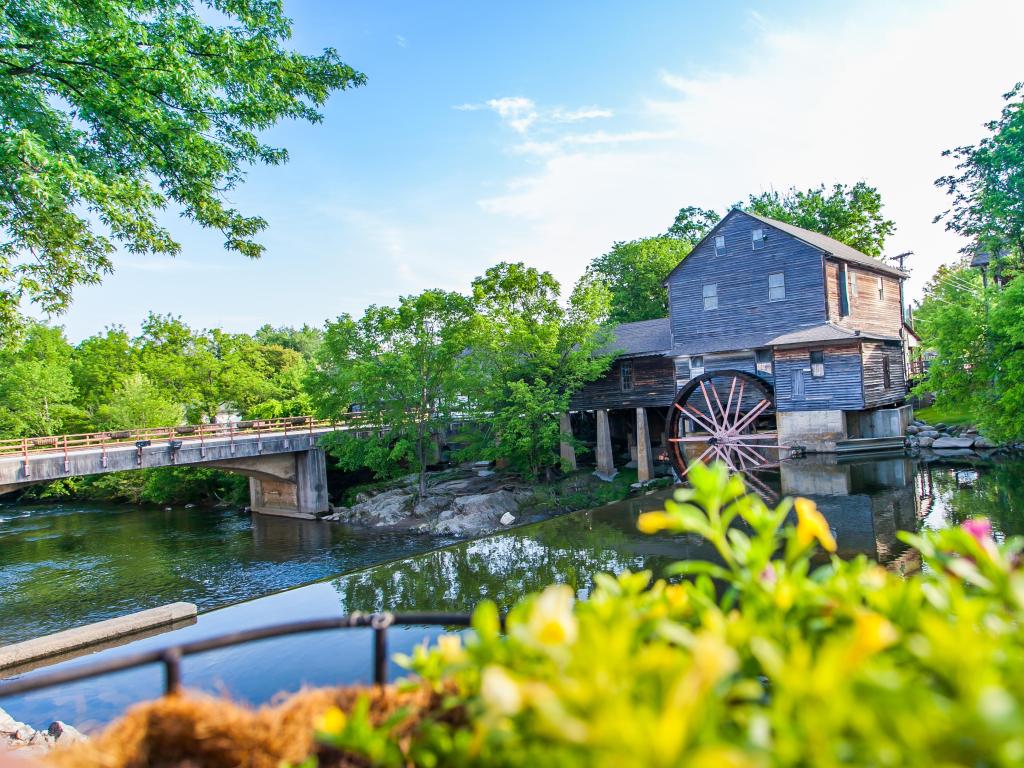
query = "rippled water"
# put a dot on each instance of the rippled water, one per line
(866, 503)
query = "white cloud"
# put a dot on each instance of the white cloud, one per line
(518, 112)
(560, 115)
(875, 95)
(521, 114)
(402, 42)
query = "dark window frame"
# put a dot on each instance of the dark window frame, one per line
(763, 361)
(756, 243)
(719, 251)
(817, 361)
(692, 366)
(626, 381)
(844, 295)
(886, 372)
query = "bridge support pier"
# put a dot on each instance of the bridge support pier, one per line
(303, 495)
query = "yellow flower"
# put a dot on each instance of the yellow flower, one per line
(872, 633)
(713, 658)
(676, 596)
(332, 721)
(450, 648)
(652, 522)
(811, 525)
(500, 692)
(719, 756)
(551, 621)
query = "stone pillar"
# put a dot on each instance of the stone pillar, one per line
(605, 461)
(565, 449)
(644, 454)
(311, 482)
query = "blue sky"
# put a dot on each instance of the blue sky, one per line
(543, 132)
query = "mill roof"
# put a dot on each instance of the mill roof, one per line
(644, 337)
(815, 334)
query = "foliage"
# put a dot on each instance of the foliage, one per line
(692, 224)
(634, 273)
(402, 367)
(112, 110)
(849, 214)
(979, 364)
(37, 392)
(988, 186)
(526, 356)
(770, 656)
(138, 404)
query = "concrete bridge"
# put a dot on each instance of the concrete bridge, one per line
(286, 468)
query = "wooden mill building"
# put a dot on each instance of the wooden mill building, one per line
(813, 322)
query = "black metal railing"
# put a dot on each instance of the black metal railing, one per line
(172, 656)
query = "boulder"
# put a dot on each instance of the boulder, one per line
(386, 508)
(507, 519)
(431, 505)
(946, 442)
(912, 429)
(984, 443)
(62, 733)
(929, 432)
(925, 442)
(479, 513)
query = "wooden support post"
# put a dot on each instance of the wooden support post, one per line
(644, 454)
(565, 449)
(605, 461)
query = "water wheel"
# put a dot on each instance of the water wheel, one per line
(716, 416)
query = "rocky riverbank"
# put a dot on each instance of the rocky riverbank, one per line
(946, 438)
(472, 501)
(25, 740)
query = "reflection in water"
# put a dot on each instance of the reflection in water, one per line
(866, 502)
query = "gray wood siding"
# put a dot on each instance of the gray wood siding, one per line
(653, 385)
(840, 388)
(741, 275)
(741, 360)
(867, 312)
(875, 392)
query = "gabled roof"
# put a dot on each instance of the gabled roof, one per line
(644, 337)
(824, 243)
(830, 245)
(814, 334)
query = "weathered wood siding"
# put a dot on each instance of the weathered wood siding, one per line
(839, 389)
(653, 385)
(875, 392)
(741, 275)
(867, 312)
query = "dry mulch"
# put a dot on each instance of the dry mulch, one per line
(197, 731)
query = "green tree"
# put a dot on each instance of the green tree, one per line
(634, 273)
(849, 214)
(402, 367)
(138, 404)
(305, 340)
(100, 363)
(37, 392)
(692, 223)
(528, 355)
(988, 187)
(112, 110)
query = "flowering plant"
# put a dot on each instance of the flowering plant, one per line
(771, 656)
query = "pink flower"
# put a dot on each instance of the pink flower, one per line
(979, 528)
(768, 576)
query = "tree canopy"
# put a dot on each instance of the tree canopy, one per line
(110, 111)
(849, 214)
(634, 273)
(988, 186)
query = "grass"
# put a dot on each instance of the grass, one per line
(945, 413)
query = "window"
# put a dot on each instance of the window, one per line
(776, 286)
(626, 376)
(757, 239)
(763, 361)
(853, 283)
(886, 373)
(711, 296)
(696, 365)
(719, 245)
(881, 290)
(844, 296)
(817, 365)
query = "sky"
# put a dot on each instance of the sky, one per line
(544, 132)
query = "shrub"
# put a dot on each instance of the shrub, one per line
(772, 656)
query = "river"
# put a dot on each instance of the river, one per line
(65, 565)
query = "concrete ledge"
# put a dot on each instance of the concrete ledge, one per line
(102, 632)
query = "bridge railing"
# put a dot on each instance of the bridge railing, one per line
(26, 446)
